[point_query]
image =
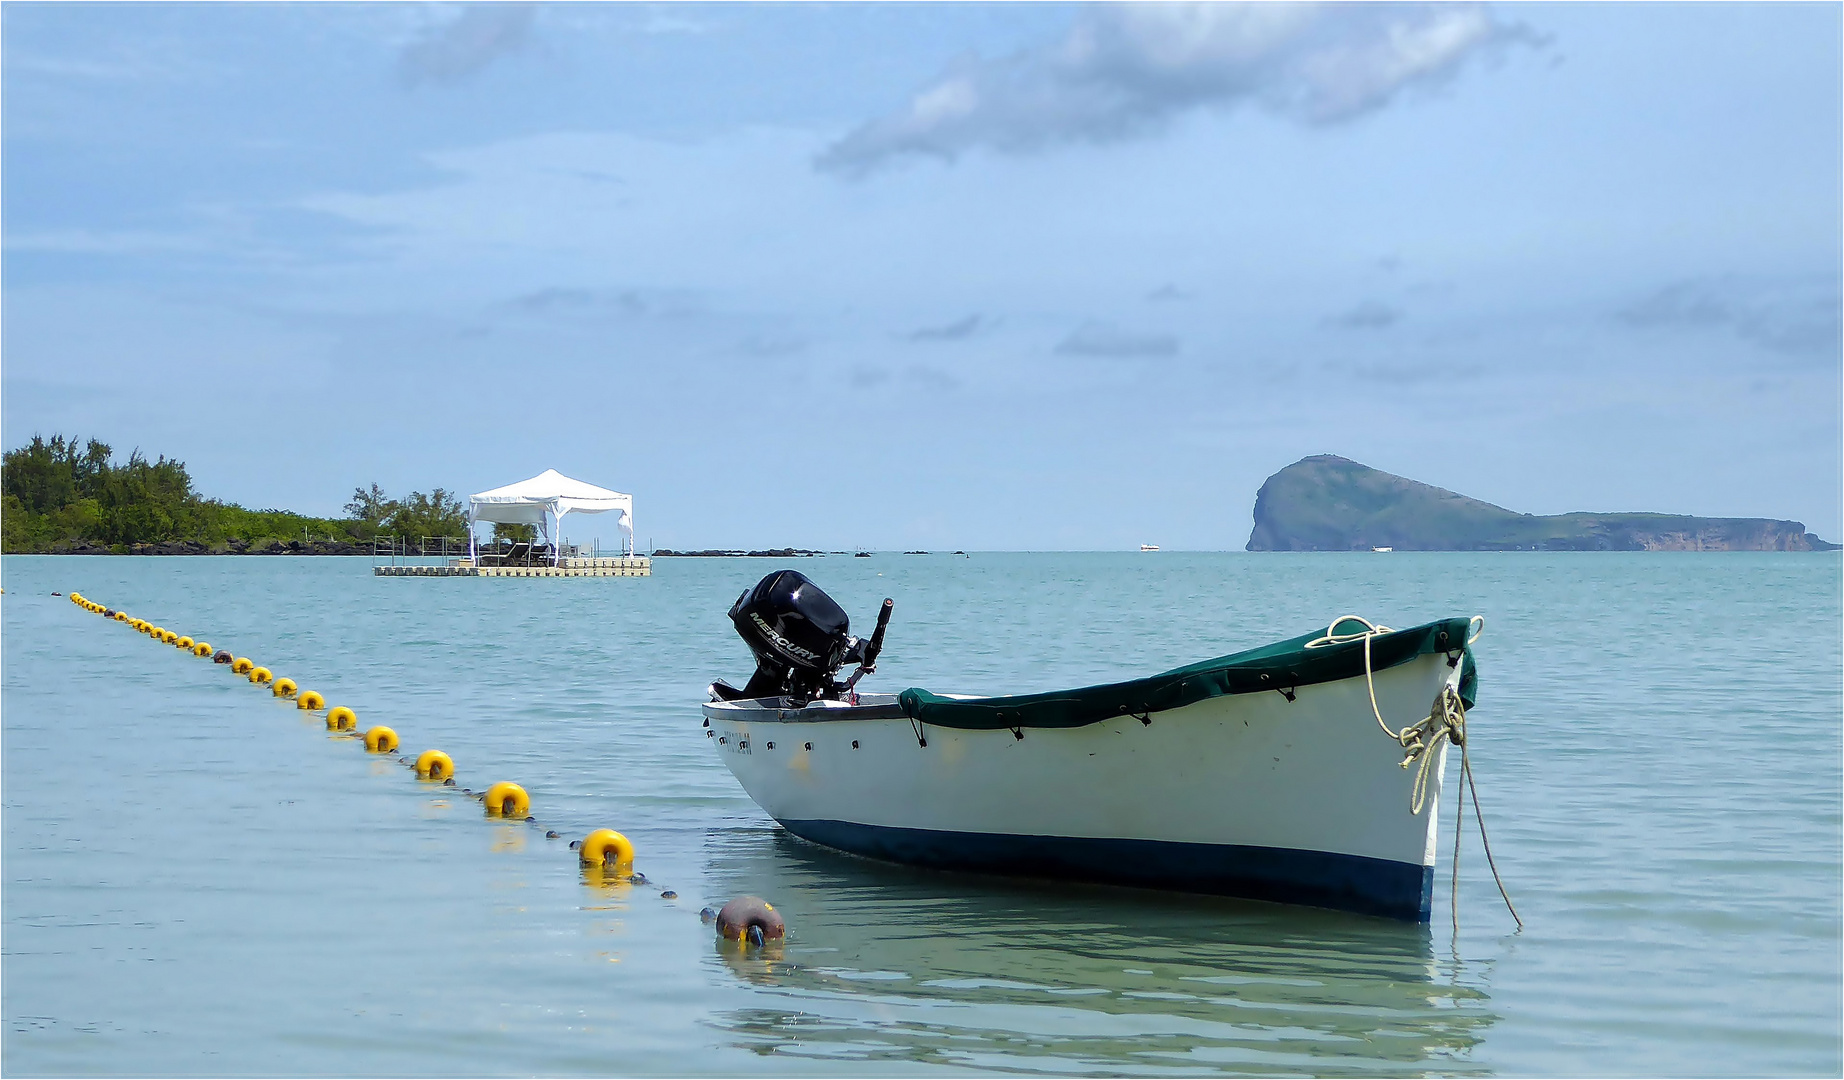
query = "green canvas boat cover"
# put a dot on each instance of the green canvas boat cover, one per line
(1283, 665)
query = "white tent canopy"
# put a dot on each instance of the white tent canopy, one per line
(544, 500)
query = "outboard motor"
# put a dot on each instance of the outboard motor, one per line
(800, 638)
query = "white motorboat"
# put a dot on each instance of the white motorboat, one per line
(1278, 773)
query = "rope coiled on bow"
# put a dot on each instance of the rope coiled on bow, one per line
(1421, 741)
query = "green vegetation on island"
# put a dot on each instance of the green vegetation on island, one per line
(1329, 503)
(60, 496)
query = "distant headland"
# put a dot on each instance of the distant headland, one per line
(1330, 503)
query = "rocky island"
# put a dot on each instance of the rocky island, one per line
(1330, 503)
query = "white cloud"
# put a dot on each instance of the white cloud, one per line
(102, 242)
(1124, 70)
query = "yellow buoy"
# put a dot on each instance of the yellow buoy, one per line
(168, 636)
(156, 631)
(380, 740)
(242, 665)
(340, 718)
(434, 765)
(261, 675)
(185, 643)
(508, 799)
(121, 616)
(606, 846)
(310, 699)
(201, 648)
(283, 687)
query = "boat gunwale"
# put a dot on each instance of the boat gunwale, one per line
(1327, 656)
(1285, 666)
(753, 710)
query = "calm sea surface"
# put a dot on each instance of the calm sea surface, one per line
(200, 880)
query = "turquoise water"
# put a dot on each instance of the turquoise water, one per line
(201, 880)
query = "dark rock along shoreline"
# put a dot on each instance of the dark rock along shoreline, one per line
(340, 547)
(234, 547)
(712, 553)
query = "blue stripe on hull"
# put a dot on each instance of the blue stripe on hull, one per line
(1323, 879)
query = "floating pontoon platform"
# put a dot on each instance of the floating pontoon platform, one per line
(584, 566)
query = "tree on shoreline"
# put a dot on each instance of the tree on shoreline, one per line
(61, 494)
(368, 509)
(435, 514)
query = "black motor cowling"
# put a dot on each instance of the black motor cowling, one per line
(800, 638)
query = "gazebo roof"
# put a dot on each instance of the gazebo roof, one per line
(549, 493)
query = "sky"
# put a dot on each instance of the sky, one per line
(936, 276)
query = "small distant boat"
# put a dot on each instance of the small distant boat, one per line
(1260, 774)
(1149, 547)
(1382, 549)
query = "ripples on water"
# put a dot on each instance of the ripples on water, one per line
(199, 879)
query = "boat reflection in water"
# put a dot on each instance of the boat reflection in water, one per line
(890, 963)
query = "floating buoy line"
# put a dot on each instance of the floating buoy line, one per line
(605, 856)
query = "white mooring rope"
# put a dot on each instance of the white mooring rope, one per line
(1421, 741)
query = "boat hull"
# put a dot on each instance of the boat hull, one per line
(1285, 875)
(1249, 795)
